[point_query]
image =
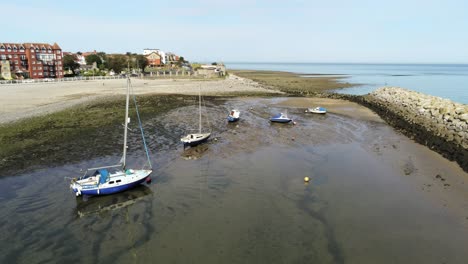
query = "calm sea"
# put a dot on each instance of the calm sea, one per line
(443, 80)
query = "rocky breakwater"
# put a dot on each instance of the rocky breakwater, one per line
(435, 122)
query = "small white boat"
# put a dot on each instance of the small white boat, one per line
(316, 110)
(233, 115)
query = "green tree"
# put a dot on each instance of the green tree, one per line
(117, 62)
(69, 62)
(90, 59)
(141, 62)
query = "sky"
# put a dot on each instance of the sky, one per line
(356, 31)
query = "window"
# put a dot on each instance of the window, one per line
(3, 57)
(50, 50)
(9, 56)
(34, 74)
(34, 68)
(59, 57)
(40, 68)
(33, 62)
(15, 56)
(2, 48)
(118, 181)
(16, 68)
(15, 49)
(23, 57)
(46, 73)
(21, 49)
(8, 49)
(32, 49)
(59, 63)
(60, 68)
(111, 182)
(43, 49)
(40, 73)
(58, 52)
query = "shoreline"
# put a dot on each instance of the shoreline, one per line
(30, 102)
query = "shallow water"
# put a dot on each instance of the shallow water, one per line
(240, 198)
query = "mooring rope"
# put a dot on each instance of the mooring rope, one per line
(141, 128)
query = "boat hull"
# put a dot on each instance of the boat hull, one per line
(111, 190)
(232, 119)
(280, 120)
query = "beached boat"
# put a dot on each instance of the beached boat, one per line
(281, 118)
(114, 178)
(194, 139)
(233, 115)
(316, 110)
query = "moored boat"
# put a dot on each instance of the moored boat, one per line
(233, 115)
(316, 110)
(281, 118)
(194, 139)
(114, 178)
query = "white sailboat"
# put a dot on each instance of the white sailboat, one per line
(196, 138)
(114, 178)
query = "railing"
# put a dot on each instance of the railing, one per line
(155, 75)
(65, 79)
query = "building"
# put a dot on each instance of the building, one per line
(161, 54)
(33, 60)
(154, 59)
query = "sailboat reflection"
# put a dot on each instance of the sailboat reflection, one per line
(194, 153)
(105, 204)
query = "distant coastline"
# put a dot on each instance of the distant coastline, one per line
(442, 80)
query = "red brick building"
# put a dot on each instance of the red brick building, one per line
(154, 59)
(33, 60)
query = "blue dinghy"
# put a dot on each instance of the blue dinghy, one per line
(281, 118)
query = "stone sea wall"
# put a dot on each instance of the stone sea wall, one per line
(435, 122)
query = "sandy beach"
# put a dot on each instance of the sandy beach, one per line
(19, 101)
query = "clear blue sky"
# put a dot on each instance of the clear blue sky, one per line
(246, 30)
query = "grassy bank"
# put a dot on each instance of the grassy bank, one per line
(294, 84)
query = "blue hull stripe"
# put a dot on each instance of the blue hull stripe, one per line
(112, 190)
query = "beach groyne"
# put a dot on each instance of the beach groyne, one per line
(438, 123)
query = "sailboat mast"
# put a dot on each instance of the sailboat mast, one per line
(126, 123)
(199, 107)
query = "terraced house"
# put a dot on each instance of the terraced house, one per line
(31, 60)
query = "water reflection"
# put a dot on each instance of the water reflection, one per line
(102, 205)
(196, 152)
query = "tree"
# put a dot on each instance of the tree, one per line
(180, 62)
(141, 61)
(90, 59)
(117, 62)
(69, 61)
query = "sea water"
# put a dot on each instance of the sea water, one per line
(443, 80)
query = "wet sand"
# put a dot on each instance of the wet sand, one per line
(375, 196)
